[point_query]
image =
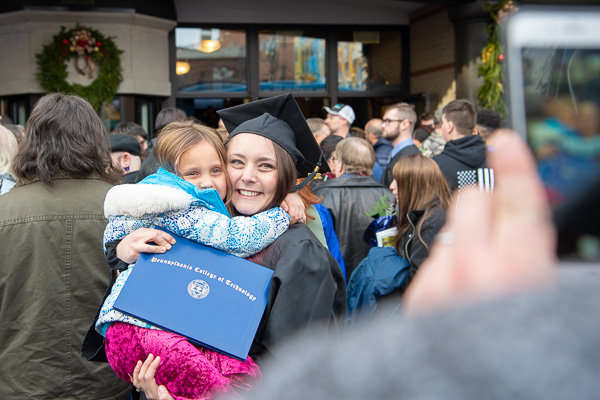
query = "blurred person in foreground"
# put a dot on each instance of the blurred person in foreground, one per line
(53, 269)
(485, 318)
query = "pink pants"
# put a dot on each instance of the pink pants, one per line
(187, 371)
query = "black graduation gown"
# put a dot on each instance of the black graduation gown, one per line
(307, 288)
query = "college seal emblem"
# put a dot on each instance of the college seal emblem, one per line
(198, 289)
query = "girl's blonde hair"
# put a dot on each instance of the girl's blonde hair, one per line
(178, 137)
(8, 149)
(421, 186)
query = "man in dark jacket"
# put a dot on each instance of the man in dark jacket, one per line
(398, 125)
(465, 150)
(352, 193)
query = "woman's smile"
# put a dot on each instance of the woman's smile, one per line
(252, 167)
(248, 193)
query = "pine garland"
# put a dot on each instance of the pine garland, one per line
(83, 45)
(491, 93)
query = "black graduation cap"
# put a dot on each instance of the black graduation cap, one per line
(279, 118)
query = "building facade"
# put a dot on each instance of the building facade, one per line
(203, 56)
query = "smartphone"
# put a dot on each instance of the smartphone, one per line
(552, 65)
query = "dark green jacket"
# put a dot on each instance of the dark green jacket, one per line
(52, 277)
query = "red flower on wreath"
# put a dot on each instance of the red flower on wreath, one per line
(82, 43)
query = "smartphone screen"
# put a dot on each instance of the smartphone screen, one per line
(553, 71)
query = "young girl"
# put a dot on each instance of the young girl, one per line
(186, 196)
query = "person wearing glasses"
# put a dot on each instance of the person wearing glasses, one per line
(398, 124)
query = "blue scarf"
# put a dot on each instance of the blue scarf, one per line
(208, 198)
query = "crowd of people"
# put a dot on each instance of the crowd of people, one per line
(300, 197)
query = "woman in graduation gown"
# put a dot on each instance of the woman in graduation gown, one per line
(270, 140)
(269, 146)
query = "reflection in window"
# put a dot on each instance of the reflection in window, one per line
(110, 113)
(352, 66)
(291, 60)
(369, 60)
(210, 60)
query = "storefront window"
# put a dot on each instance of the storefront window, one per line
(110, 113)
(291, 61)
(211, 60)
(369, 60)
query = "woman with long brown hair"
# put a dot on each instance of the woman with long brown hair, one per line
(422, 195)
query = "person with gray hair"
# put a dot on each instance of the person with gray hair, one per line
(350, 195)
(382, 146)
(53, 267)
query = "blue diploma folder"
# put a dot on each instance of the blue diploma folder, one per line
(209, 296)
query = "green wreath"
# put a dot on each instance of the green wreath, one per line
(86, 47)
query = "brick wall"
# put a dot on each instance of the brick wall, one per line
(385, 59)
(432, 65)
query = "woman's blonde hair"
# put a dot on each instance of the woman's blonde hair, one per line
(178, 137)
(8, 149)
(421, 186)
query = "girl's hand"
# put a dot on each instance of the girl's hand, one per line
(139, 241)
(143, 379)
(294, 206)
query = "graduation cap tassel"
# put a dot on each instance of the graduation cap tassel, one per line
(310, 177)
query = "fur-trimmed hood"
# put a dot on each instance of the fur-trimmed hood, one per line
(137, 200)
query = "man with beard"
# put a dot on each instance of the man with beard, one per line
(398, 124)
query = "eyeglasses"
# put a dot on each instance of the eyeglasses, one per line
(389, 121)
